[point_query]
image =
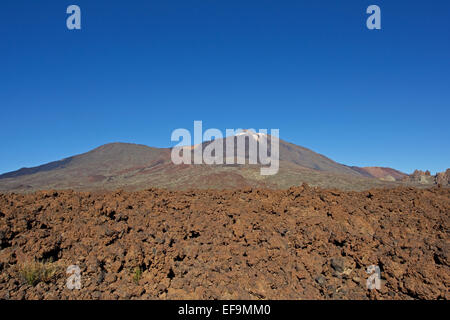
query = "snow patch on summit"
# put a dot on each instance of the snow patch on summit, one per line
(252, 134)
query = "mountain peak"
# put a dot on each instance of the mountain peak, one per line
(251, 133)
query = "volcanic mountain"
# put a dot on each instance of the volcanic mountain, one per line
(133, 167)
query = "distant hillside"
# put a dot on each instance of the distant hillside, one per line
(387, 174)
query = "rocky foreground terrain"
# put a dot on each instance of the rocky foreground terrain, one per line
(300, 243)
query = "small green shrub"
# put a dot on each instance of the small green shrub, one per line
(137, 274)
(34, 272)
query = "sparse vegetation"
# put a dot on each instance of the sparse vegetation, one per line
(34, 272)
(137, 274)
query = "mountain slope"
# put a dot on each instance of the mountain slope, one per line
(94, 167)
(108, 158)
(381, 173)
(289, 153)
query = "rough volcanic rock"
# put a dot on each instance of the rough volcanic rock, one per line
(443, 178)
(418, 176)
(300, 243)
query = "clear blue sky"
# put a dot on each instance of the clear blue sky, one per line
(139, 69)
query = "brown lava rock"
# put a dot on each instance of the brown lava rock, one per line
(300, 243)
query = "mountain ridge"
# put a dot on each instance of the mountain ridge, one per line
(136, 166)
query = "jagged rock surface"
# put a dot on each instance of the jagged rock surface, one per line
(300, 243)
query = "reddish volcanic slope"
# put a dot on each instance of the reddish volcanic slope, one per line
(380, 172)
